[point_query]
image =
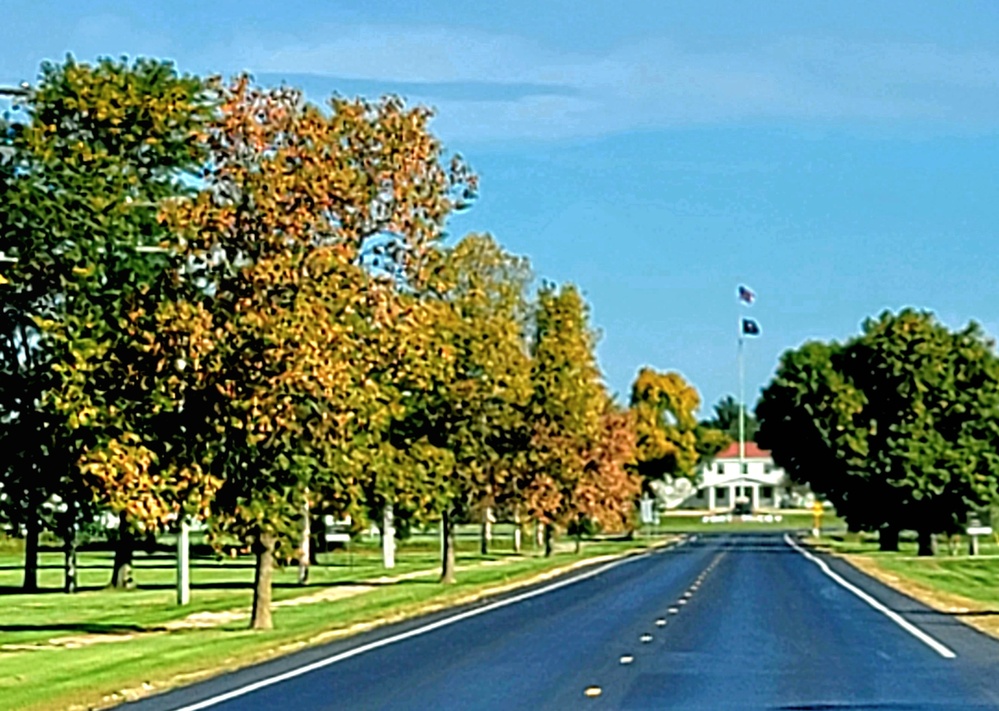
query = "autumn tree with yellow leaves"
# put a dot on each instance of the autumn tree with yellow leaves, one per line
(670, 442)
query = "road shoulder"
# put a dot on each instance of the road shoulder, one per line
(978, 615)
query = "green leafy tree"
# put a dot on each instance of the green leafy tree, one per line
(474, 415)
(100, 147)
(726, 419)
(904, 419)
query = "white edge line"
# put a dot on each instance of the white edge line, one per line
(935, 645)
(299, 671)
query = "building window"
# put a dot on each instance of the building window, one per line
(766, 492)
(700, 494)
(745, 469)
(767, 468)
(720, 492)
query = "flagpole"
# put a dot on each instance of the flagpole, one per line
(742, 401)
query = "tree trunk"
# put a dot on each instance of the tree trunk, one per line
(124, 550)
(548, 539)
(304, 555)
(539, 536)
(579, 543)
(388, 535)
(517, 530)
(926, 543)
(263, 547)
(888, 539)
(447, 548)
(31, 534)
(69, 577)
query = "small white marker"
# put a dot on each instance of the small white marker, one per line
(672, 611)
(688, 594)
(681, 601)
(627, 659)
(661, 622)
(593, 691)
(645, 638)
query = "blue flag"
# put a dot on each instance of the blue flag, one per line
(746, 295)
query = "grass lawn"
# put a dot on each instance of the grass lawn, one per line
(100, 646)
(958, 584)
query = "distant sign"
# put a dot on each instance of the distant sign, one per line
(648, 514)
(979, 530)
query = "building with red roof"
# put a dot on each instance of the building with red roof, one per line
(753, 479)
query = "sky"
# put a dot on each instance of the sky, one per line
(840, 158)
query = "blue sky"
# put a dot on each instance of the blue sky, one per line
(839, 157)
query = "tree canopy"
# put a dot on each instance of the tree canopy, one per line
(896, 426)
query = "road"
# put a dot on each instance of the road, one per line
(750, 623)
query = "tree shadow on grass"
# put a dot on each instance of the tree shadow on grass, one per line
(18, 590)
(78, 627)
(248, 585)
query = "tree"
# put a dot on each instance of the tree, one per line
(472, 413)
(903, 418)
(565, 409)
(726, 419)
(101, 147)
(806, 420)
(670, 443)
(604, 496)
(301, 212)
(487, 288)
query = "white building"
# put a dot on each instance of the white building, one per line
(756, 480)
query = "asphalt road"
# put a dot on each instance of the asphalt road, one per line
(750, 623)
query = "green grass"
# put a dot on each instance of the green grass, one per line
(975, 578)
(48, 675)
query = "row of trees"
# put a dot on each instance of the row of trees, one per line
(232, 304)
(897, 426)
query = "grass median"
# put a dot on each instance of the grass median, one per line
(100, 647)
(951, 581)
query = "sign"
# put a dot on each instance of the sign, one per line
(979, 530)
(648, 515)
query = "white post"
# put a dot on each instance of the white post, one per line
(183, 563)
(755, 488)
(388, 535)
(711, 498)
(517, 530)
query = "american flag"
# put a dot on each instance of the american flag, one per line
(746, 294)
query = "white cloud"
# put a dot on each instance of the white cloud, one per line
(655, 83)
(494, 86)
